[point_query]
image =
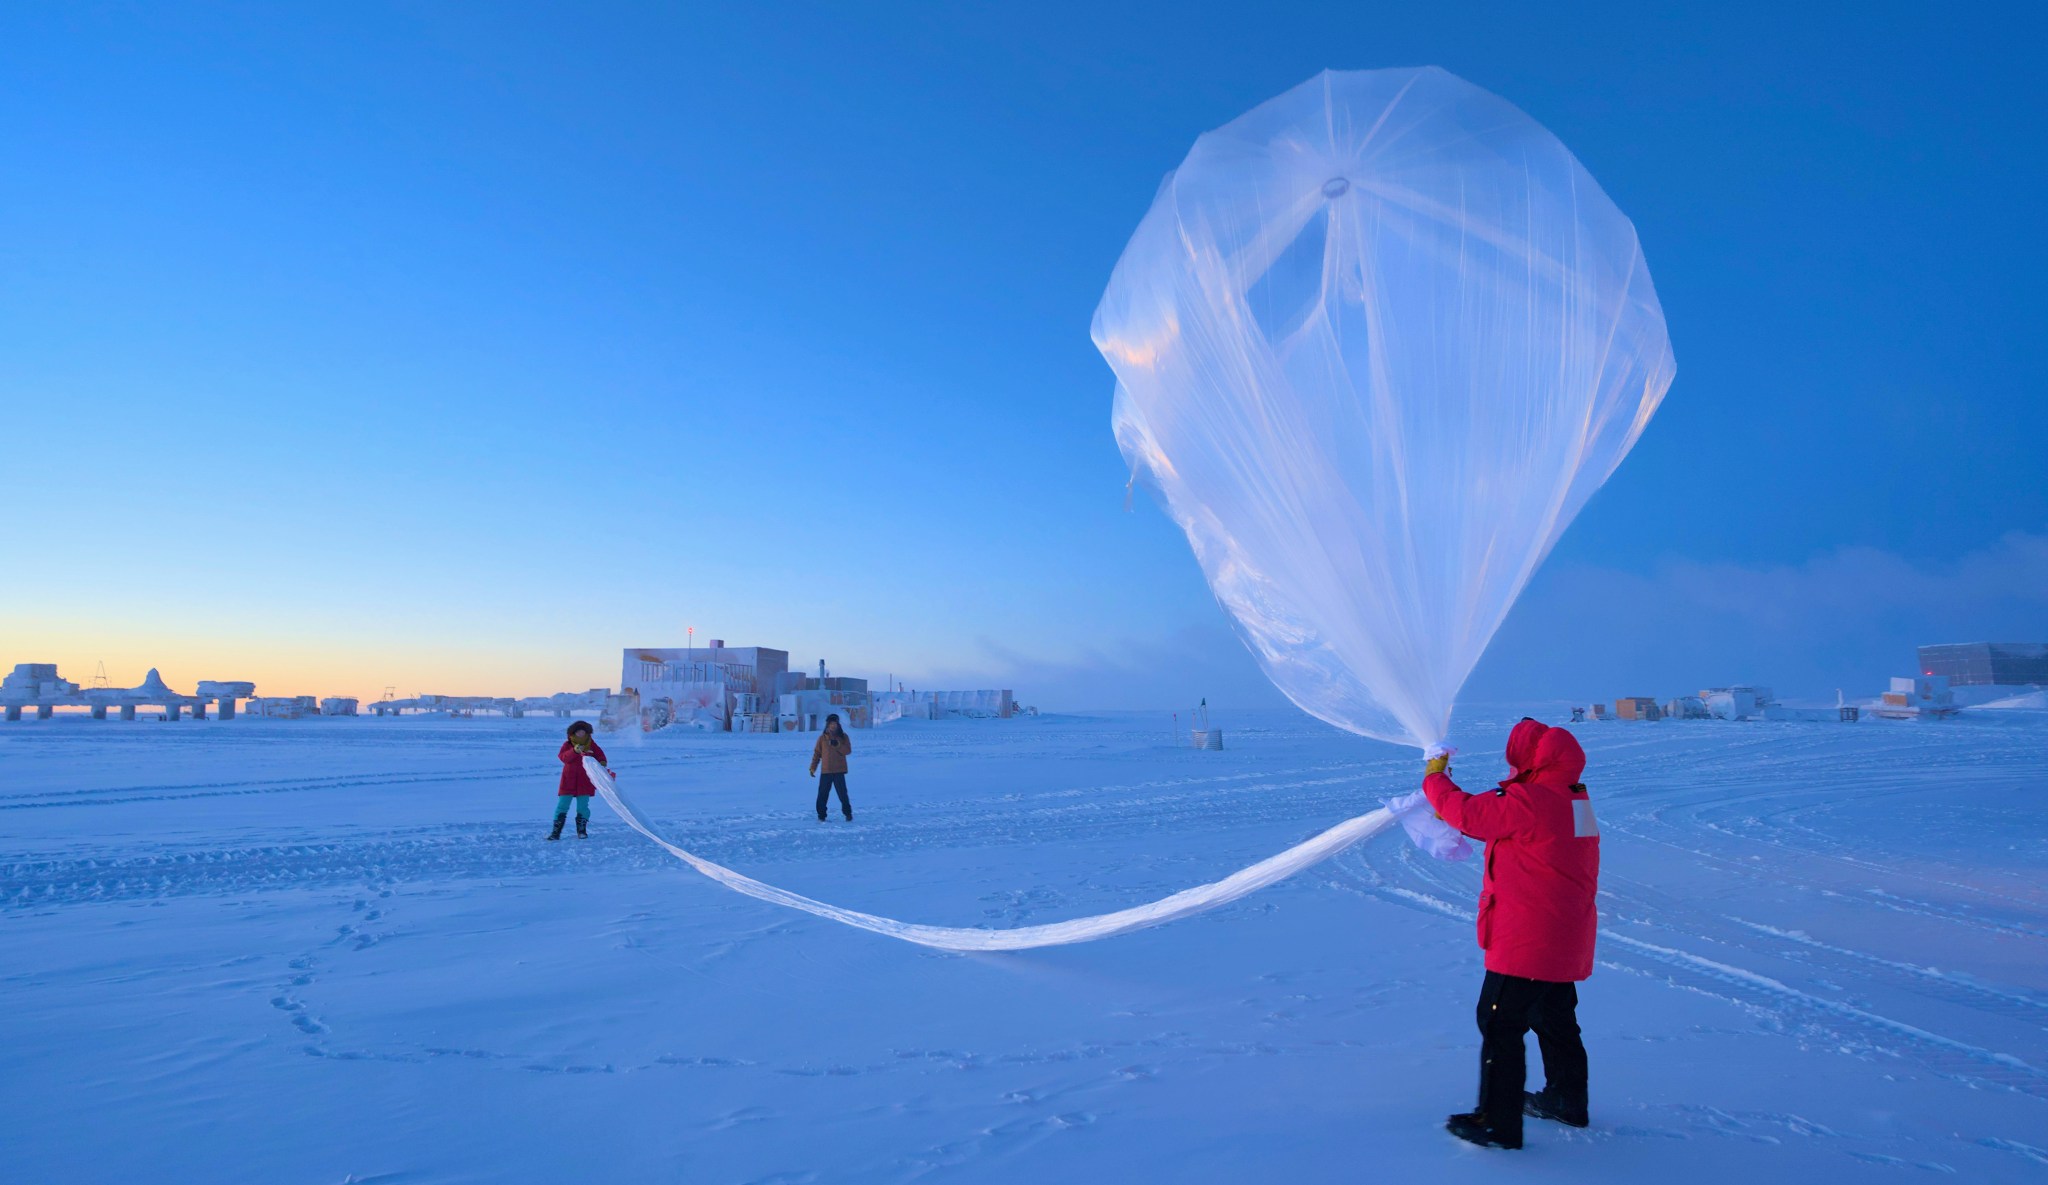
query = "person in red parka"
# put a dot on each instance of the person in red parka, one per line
(575, 785)
(1536, 923)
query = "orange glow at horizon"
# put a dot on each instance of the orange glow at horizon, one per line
(323, 667)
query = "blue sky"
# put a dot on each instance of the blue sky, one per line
(454, 347)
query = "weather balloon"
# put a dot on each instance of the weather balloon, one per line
(1376, 343)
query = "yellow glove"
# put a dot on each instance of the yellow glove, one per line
(1438, 765)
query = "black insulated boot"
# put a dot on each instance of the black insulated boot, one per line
(582, 827)
(1566, 1107)
(557, 832)
(1473, 1128)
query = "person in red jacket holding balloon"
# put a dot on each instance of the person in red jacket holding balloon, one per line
(1536, 923)
(576, 785)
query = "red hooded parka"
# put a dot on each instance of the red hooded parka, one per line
(1536, 913)
(575, 782)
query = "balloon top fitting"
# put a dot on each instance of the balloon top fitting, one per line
(1336, 187)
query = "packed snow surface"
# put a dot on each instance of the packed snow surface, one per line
(338, 949)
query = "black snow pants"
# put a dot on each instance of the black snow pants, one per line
(826, 784)
(1509, 1006)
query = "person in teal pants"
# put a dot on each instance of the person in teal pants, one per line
(575, 785)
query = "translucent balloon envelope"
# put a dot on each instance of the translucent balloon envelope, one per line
(1376, 343)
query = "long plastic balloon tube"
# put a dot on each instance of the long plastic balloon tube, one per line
(1185, 903)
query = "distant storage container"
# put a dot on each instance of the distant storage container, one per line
(1840, 713)
(1687, 707)
(1638, 707)
(1921, 697)
(1736, 703)
(284, 707)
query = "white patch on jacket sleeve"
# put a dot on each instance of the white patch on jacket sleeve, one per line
(1584, 825)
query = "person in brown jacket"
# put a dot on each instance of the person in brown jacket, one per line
(830, 751)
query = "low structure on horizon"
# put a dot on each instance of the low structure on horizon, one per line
(1985, 672)
(1638, 707)
(298, 707)
(1953, 676)
(720, 688)
(983, 704)
(284, 707)
(812, 698)
(1686, 707)
(37, 685)
(696, 686)
(562, 703)
(1740, 702)
(1917, 697)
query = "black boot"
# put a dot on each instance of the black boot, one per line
(583, 827)
(849, 816)
(557, 832)
(1472, 1127)
(1566, 1106)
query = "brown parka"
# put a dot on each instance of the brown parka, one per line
(831, 756)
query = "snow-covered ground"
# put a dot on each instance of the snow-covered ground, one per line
(334, 950)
